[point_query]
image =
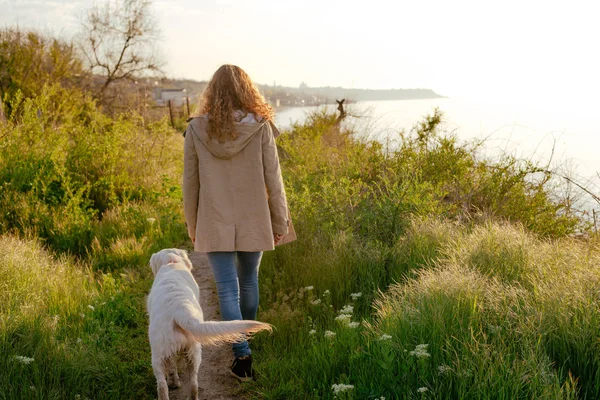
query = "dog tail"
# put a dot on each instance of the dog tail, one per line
(213, 332)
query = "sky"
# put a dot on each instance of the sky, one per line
(523, 50)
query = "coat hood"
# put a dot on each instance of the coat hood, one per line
(245, 132)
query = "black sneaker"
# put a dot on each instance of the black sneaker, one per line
(241, 369)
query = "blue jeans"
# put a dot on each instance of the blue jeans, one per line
(236, 276)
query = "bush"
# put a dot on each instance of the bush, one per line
(458, 253)
(103, 194)
(478, 289)
(30, 59)
(64, 165)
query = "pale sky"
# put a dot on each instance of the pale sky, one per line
(517, 49)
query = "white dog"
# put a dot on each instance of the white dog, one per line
(177, 322)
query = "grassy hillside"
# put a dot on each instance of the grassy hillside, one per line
(423, 272)
(483, 311)
(84, 201)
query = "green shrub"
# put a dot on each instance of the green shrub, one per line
(454, 251)
(29, 59)
(362, 187)
(63, 167)
(426, 242)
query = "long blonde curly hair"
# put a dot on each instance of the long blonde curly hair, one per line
(229, 90)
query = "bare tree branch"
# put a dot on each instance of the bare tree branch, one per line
(119, 42)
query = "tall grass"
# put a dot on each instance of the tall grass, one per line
(80, 330)
(504, 315)
(469, 259)
(420, 272)
(85, 200)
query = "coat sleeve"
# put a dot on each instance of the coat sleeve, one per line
(191, 184)
(274, 182)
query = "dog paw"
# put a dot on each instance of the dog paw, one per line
(174, 384)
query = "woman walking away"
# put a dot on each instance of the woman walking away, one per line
(230, 157)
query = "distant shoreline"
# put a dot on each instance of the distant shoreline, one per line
(304, 95)
(286, 107)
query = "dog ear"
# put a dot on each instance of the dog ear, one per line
(186, 259)
(155, 263)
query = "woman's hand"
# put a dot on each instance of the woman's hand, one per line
(277, 238)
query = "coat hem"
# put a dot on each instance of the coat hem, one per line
(246, 249)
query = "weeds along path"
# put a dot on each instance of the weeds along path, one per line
(214, 380)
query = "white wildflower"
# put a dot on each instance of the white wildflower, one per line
(353, 325)
(151, 220)
(315, 302)
(340, 388)
(79, 340)
(385, 337)
(329, 334)
(82, 315)
(348, 309)
(355, 295)
(494, 329)
(24, 360)
(91, 307)
(444, 369)
(382, 398)
(422, 389)
(326, 293)
(312, 332)
(343, 318)
(309, 288)
(420, 351)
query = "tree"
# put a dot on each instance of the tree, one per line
(29, 60)
(118, 42)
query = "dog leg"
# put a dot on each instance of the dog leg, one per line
(194, 356)
(173, 379)
(159, 368)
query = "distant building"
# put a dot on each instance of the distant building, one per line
(163, 95)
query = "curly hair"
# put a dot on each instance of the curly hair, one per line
(229, 90)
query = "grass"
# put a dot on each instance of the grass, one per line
(83, 321)
(421, 271)
(503, 313)
(85, 201)
(82, 330)
(471, 259)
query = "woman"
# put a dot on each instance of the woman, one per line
(230, 157)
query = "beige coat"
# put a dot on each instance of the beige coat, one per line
(225, 202)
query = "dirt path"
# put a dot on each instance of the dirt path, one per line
(214, 380)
